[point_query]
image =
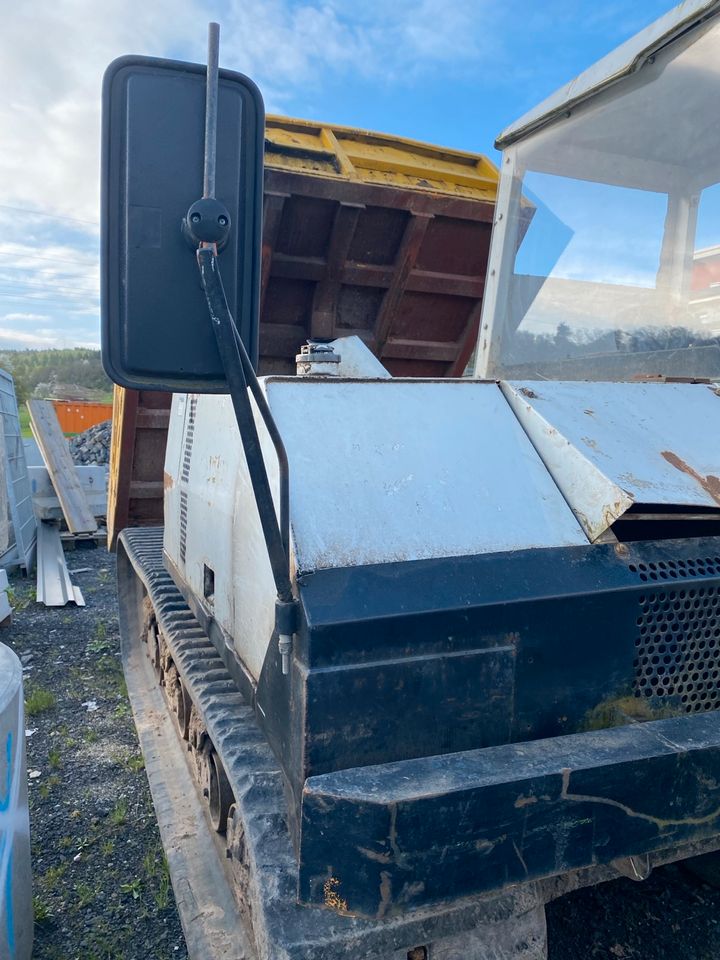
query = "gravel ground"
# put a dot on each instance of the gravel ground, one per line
(671, 915)
(101, 884)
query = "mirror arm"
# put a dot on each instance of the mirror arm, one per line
(272, 429)
(241, 376)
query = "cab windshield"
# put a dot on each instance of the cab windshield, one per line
(611, 231)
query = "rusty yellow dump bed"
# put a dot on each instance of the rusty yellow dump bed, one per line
(363, 234)
(373, 235)
(343, 153)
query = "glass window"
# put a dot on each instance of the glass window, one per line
(613, 231)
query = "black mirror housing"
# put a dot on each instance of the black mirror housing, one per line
(156, 330)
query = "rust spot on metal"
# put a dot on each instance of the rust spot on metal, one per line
(525, 802)
(385, 893)
(595, 528)
(375, 855)
(168, 482)
(331, 895)
(710, 483)
(527, 392)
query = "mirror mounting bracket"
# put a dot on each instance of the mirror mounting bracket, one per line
(207, 221)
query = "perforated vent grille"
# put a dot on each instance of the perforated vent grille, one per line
(677, 569)
(189, 437)
(678, 645)
(183, 524)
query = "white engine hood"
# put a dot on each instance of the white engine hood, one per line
(611, 445)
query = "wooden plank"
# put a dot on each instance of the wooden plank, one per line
(407, 255)
(137, 456)
(146, 489)
(323, 323)
(415, 201)
(291, 267)
(56, 454)
(281, 340)
(272, 216)
(399, 349)
(153, 419)
(467, 342)
(124, 421)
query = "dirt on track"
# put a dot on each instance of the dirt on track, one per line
(101, 886)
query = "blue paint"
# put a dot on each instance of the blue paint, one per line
(10, 923)
(4, 840)
(5, 801)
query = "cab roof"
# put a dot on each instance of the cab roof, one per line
(625, 60)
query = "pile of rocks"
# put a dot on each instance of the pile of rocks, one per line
(92, 445)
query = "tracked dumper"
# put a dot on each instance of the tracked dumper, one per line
(432, 652)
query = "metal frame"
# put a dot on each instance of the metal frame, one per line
(590, 88)
(21, 551)
(503, 247)
(54, 587)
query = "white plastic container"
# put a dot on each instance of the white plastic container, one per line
(16, 913)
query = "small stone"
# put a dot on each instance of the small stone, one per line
(92, 446)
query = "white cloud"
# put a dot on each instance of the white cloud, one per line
(51, 63)
(33, 318)
(52, 56)
(21, 338)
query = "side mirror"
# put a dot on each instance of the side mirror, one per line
(156, 330)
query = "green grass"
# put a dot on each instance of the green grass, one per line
(41, 910)
(152, 860)
(118, 814)
(20, 601)
(52, 877)
(135, 763)
(38, 700)
(85, 895)
(24, 415)
(132, 887)
(162, 894)
(47, 787)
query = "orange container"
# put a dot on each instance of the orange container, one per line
(75, 416)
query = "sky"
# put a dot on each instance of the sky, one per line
(450, 72)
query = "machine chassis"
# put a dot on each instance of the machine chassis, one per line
(247, 906)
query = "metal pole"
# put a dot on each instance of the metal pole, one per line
(211, 106)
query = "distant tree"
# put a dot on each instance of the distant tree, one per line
(75, 365)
